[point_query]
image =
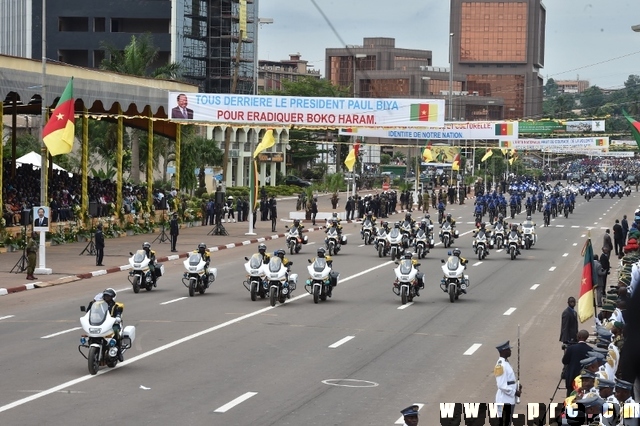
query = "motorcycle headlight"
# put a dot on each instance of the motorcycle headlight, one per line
(95, 330)
(112, 342)
(113, 352)
(83, 340)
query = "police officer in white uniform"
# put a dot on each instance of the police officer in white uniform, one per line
(506, 383)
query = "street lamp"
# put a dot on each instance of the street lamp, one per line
(450, 76)
(636, 28)
(355, 67)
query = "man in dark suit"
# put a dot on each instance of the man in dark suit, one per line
(41, 220)
(569, 327)
(181, 111)
(99, 237)
(174, 231)
(572, 357)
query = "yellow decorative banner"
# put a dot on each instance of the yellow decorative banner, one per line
(243, 19)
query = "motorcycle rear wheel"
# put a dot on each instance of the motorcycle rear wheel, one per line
(202, 289)
(93, 358)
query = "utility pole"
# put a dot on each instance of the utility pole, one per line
(229, 130)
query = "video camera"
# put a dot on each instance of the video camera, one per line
(565, 345)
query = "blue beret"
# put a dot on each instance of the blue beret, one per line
(604, 383)
(504, 346)
(410, 411)
(591, 400)
(623, 384)
(587, 361)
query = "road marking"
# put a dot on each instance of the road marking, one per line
(599, 219)
(559, 226)
(575, 226)
(595, 223)
(7, 317)
(341, 342)
(582, 236)
(553, 268)
(499, 251)
(477, 263)
(533, 287)
(174, 300)
(575, 244)
(61, 332)
(229, 405)
(509, 311)
(361, 245)
(472, 349)
(565, 255)
(405, 306)
(169, 345)
(400, 421)
(123, 289)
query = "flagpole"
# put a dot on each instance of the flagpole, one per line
(42, 269)
(252, 187)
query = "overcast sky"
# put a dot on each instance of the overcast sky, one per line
(589, 38)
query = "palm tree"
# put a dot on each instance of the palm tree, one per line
(139, 58)
(197, 152)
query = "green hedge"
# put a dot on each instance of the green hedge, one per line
(280, 190)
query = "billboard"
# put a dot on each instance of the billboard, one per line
(305, 112)
(469, 130)
(545, 127)
(564, 143)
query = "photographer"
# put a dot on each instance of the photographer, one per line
(573, 354)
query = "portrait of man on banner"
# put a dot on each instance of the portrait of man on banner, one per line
(41, 218)
(181, 110)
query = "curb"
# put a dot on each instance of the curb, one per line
(100, 272)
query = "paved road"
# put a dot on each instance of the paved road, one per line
(221, 359)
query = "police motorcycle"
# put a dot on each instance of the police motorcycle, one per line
(368, 231)
(256, 273)
(423, 241)
(198, 276)
(498, 235)
(321, 280)
(140, 274)
(281, 283)
(99, 336)
(446, 234)
(332, 241)
(394, 239)
(380, 242)
(406, 227)
(514, 243)
(481, 244)
(529, 234)
(627, 190)
(454, 281)
(408, 279)
(295, 240)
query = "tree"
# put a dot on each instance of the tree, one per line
(197, 152)
(591, 99)
(385, 159)
(139, 58)
(551, 88)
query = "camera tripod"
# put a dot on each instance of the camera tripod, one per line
(163, 237)
(90, 248)
(219, 228)
(21, 264)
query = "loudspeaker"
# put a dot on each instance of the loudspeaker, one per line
(220, 198)
(26, 220)
(93, 208)
(161, 204)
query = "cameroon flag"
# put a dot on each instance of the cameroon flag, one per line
(58, 133)
(586, 302)
(424, 112)
(456, 162)
(635, 127)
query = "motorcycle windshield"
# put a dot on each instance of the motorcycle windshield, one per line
(194, 259)
(275, 264)
(332, 232)
(527, 227)
(256, 261)
(319, 264)
(139, 256)
(513, 236)
(293, 232)
(420, 233)
(98, 312)
(481, 236)
(405, 266)
(453, 263)
(446, 226)
(395, 233)
(366, 224)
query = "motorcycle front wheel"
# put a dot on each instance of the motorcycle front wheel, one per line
(273, 295)
(316, 294)
(254, 291)
(291, 248)
(136, 284)
(380, 250)
(403, 295)
(513, 253)
(94, 360)
(452, 292)
(192, 287)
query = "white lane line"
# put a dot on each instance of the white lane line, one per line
(229, 405)
(509, 311)
(595, 223)
(472, 349)
(311, 243)
(582, 236)
(599, 218)
(61, 332)
(174, 300)
(405, 306)
(7, 317)
(559, 226)
(533, 287)
(169, 345)
(341, 342)
(553, 268)
(603, 227)
(400, 421)
(361, 245)
(477, 263)
(565, 255)
(499, 251)
(575, 226)
(575, 244)
(123, 289)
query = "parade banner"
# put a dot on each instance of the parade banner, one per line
(444, 153)
(540, 144)
(252, 110)
(469, 130)
(550, 126)
(592, 153)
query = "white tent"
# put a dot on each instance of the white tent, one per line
(35, 159)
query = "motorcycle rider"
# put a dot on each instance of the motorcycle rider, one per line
(299, 227)
(204, 253)
(262, 249)
(335, 224)
(371, 218)
(151, 254)
(483, 228)
(547, 211)
(449, 219)
(516, 229)
(441, 209)
(419, 277)
(457, 253)
(286, 262)
(115, 310)
(321, 253)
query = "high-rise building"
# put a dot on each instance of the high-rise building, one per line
(499, 46)
(271, 74)
(210, 38)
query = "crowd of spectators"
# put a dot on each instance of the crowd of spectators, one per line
(21, 193)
